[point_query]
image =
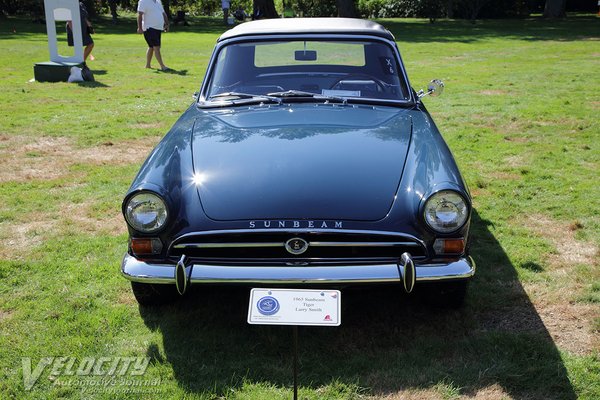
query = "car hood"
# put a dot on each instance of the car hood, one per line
(327, 162)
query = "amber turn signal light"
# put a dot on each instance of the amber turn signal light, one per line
(146, 245)
(449, 246)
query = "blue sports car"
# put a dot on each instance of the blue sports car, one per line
(306, 158)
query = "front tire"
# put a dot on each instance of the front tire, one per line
(148, 294)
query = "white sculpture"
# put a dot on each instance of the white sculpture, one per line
(63, 10)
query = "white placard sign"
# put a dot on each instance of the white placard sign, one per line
(294, 307)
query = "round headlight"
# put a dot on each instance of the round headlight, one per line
(146, 212)
(446, 211)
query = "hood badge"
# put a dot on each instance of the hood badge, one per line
(296, 246)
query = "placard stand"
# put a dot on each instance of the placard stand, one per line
(295, 307)
(295, 362)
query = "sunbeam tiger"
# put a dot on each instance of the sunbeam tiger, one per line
(307, 158)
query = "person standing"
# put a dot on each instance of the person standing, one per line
(151, 21)
(225, 6)
(86, 31)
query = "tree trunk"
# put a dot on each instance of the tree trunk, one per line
(346, 8)
(265, 8)
(270, 11)
(450, 9)
(555, 9)
(475, 8)
(91, 8)
(167, 7)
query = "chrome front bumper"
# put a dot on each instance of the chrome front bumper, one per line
(139, 271)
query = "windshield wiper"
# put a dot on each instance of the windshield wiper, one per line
(245, 96)
(302, 94)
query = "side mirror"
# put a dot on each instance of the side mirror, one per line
(435, 88)
(195, 96)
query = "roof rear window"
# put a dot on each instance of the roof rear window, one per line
(300, 52)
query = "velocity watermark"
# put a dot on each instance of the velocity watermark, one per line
(123, 374)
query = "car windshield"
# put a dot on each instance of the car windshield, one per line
(306, 70)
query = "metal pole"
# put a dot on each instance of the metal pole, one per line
(295, 362)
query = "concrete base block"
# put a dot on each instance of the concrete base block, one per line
(50, 71)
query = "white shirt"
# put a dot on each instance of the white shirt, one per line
(153, 14)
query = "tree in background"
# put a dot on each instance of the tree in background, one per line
(90, 6)
(474, 7)
(450, 9)
(432, 9)
(313, 8)
(345, 8)
(267, 8)
(555, 9)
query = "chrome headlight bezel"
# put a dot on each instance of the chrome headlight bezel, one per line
(147, 198)
(452, 200)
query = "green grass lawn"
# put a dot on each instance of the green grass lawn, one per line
(520, 113)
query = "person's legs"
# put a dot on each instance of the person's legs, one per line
(152, 37)
(87, 50)
(225, 15)
(159, 57)
(149, 54)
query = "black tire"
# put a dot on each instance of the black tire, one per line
(446, 294)
(148, 294)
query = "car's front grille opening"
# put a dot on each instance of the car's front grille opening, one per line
(315, 248)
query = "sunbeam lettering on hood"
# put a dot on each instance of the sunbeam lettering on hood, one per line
(296, 167)
(296, 224)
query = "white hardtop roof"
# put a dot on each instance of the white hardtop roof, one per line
(294, 26)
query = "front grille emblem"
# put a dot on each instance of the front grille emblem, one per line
(296, 246)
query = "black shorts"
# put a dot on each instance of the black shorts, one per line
(152, 37)
(86, 37)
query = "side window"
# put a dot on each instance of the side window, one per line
(219, 67)
(232, 68)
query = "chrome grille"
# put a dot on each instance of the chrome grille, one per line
(268, 247)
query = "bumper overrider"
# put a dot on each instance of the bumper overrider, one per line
(404, 271)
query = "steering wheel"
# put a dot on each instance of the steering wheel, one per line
(349, 79)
